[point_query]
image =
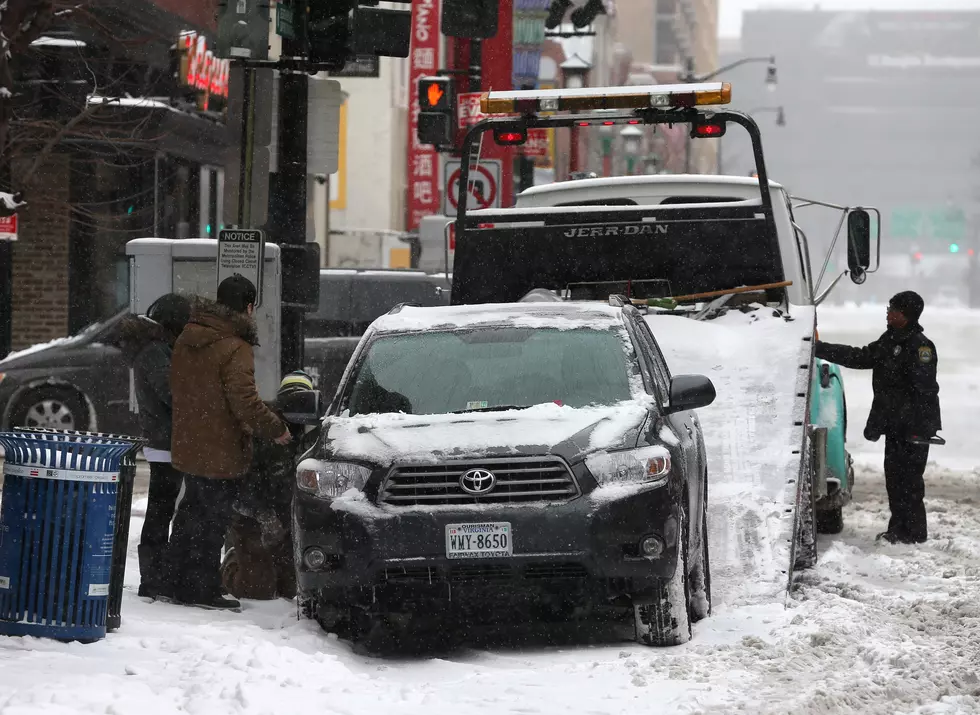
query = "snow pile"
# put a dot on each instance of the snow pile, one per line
(754, 361)
(37, 348)
(57, 42)
(562, 316)
(9, 201)
(389, 437)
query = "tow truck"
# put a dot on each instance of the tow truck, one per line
(724, 252)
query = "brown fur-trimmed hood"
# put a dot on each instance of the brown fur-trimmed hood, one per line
(211, 322)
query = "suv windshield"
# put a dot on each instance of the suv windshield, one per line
(492, 368)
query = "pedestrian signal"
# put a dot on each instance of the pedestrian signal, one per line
(437, 110)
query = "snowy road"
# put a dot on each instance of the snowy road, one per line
(874, 629)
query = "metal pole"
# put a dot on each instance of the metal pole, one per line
(476, 65)
(6, 296)
(247, 145)
(291, 184)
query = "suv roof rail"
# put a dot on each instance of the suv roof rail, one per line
(409, 304)
(617, 300)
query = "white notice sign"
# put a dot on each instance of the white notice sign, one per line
(242, 251)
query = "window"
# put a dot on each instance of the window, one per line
(443, 372)
(658, 366)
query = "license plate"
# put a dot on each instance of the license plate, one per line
(479, 541)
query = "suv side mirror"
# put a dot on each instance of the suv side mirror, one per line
(858, 244)
(689, 392)
(301, 408)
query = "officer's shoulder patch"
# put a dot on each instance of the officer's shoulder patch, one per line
(925, 354)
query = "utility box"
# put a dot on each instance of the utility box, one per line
(189, 266)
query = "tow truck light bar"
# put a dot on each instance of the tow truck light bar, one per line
(665, 96)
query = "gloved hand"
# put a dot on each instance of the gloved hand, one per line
(871, 435)
(271, 528)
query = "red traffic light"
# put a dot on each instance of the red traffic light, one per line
(917, 256)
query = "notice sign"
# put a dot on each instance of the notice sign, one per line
(242, 251)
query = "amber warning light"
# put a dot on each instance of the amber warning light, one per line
(663, 96)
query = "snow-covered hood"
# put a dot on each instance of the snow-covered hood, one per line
(543, 429)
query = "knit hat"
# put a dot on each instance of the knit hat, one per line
(297, 381)
(908, 303)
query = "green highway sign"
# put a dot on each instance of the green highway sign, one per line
(940, 223)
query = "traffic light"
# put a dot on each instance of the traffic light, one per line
(328, 31)
(437, 110)
(954, 248)
(475, 19)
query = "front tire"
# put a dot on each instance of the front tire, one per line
(701, 571)
(830, 521)
(51, 407)
(666, 620)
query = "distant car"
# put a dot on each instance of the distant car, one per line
(519, 460)
(79, 383)
(82, 382)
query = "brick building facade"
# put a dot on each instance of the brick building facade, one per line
(124, 172)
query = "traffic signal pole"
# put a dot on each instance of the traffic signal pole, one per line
(291, 183)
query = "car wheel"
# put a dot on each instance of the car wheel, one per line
(830, 521)
(49, 407)
(666, 620)
(701, 570)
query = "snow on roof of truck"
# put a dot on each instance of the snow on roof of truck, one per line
(712, 180)
(563, 316)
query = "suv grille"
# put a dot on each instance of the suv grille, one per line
(518, 481)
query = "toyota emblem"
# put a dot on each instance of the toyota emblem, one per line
(478, 481)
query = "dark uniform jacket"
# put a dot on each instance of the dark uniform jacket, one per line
(147, 348)
(906, 394)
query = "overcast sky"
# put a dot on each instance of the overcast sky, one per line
(730, 12)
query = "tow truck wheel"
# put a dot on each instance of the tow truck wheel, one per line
(830, 521)
(701, 570)
(666, 619)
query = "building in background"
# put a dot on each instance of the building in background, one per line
(877, 106)
(109, 145)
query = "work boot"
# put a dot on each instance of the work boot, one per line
(216, 602)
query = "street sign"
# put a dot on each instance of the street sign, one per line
(538, 144)
(484, 185)
(284, 21)
(8, 228)
(242, 251)
(468, 110)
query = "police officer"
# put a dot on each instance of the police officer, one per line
(905, 410)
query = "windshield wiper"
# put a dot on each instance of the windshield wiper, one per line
(495, 408)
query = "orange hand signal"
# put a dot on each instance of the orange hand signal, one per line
(435, 93)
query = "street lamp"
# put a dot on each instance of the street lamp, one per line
(575, 74)
(632, 143)
(690, 78)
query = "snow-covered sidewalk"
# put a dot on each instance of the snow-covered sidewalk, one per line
(874, 629)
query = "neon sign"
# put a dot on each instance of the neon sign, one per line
(200, 69)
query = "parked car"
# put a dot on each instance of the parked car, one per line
(82, 382)
(530, 460)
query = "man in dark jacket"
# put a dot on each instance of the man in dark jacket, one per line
(217, 411)
(905, 410)
(258, 559)
(147, 344)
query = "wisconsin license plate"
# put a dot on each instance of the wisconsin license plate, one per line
(479, 541)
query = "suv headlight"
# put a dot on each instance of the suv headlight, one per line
(646, 465)
(327, 480)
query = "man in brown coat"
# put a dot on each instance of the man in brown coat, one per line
(216, 412)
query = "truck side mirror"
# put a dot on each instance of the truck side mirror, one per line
(858, 244)
(301, 407)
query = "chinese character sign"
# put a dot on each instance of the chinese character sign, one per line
(423, 180)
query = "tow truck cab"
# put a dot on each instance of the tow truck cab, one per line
(722, 199)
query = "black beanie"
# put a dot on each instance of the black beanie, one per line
(237, 293)
(908, 303)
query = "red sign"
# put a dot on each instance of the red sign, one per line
(199, 68)
(468, 110)
(8, 228)
(423, 173)
(537, 144)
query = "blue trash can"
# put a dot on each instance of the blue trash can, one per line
(124, 509)
(57, 527)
